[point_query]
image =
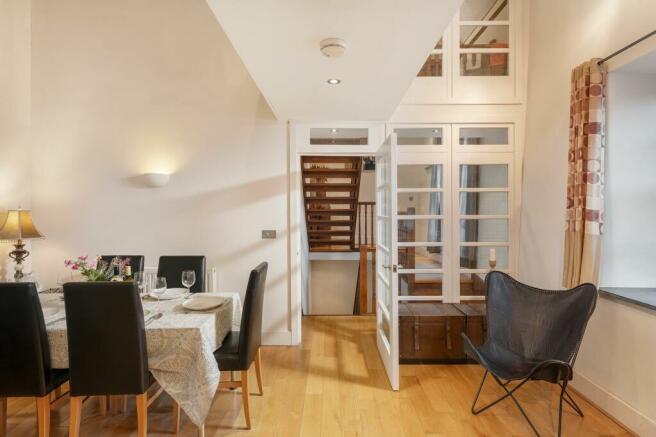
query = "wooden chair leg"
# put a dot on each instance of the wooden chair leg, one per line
(43, 415)
(3, 417)
(124, 404)
(142, 414)
(102, 405)
(244, 396)
(258, 371)
(113, 404)
(75, 416)
(176, 417)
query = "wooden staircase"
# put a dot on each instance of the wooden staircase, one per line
(331, 185)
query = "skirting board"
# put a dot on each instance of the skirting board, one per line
(614, 407)
(277, 338)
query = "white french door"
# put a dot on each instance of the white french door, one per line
(387, 317)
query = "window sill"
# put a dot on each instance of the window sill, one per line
(644, 297)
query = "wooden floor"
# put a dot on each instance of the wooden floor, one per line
(334, 385)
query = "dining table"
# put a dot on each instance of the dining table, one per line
(180, 344)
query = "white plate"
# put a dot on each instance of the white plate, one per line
(50, 312)
(203, 302)
(171, 293)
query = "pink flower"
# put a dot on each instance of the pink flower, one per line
(67, 263)
(82, 257)
(75, 266)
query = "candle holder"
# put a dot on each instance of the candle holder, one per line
(493, 264)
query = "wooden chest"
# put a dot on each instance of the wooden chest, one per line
(475, 321)
(429, 332)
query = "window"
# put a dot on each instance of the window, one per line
(341, 136)
(433, 65)
(484, 35)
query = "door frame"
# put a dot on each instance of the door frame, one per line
(405, 115)
(297, 146)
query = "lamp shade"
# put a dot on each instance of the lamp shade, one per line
(19, 226)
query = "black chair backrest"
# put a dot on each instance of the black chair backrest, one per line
(250, 331)
(24, 352)
(537, 324)
(106, 338)
(136, 261)
(171, 267)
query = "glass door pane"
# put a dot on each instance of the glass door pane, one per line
(421, 226)
(483, 223)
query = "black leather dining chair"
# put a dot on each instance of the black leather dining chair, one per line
(136, 261)
(240, 349)
(171, 267)
(25, 369)
(107, 347)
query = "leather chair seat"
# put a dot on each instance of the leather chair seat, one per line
(227, 356)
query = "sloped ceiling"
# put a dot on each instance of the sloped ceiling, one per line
(387, 43)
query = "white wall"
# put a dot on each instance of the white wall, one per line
(332, 286)
(564, 34)
(14, 116)
(629, 245)
(121, 88)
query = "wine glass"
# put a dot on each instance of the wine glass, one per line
(188, 279)
(140, 279)
(159, 288)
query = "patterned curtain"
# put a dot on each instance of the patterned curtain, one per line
(585, 179)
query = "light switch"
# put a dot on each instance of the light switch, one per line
(269, 234)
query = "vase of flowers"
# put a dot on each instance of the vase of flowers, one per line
(96, 269)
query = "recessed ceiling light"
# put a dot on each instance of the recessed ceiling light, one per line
(333, 130)
(436, 131)
(334, 81)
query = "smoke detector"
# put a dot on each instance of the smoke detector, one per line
(333, 47)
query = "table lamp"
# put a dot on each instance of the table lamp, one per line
(18, 227)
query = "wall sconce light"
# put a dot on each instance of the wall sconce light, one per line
(157, 180)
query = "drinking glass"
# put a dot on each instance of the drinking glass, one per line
(188, 279)
(159, 288)
(140, 280)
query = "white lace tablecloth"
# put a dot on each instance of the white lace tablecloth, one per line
(180, 348)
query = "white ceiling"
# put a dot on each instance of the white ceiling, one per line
(387, 43)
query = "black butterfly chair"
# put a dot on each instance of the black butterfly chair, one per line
(136, 261)
(171, 267)
(533, 334)
(107, 347)
(240, 349)
(25, 369)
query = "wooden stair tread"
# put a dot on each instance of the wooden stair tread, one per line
(330, 187)
(330, 243)
(341, 232)
(330, 222)
(336, 211)
(333, 200)
(329, 249)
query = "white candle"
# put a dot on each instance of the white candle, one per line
(493, 255)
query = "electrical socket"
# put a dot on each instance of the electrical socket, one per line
(269, 234)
